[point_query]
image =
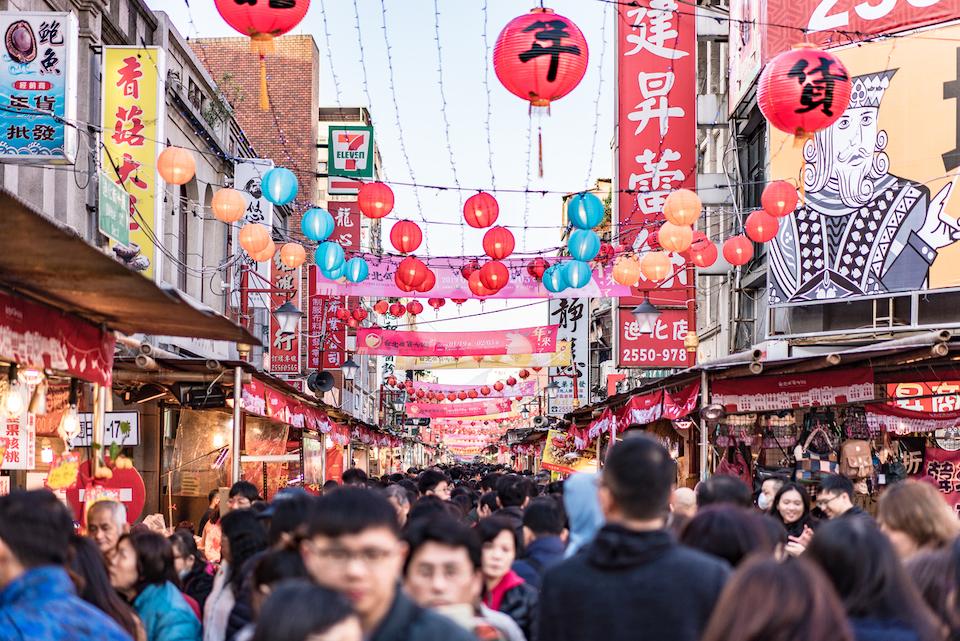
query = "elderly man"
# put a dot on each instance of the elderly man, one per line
(106, 522)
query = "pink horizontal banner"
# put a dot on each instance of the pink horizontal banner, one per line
(458, 410)
(452, 284)
(522, 388)
(388, 342)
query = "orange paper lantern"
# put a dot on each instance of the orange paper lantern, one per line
(176, 166)
(655, 266)
(675, 238)
(626, 271)
(682, 207)
(266, 253)
(293, 255)
(254, 238)
(228, 205)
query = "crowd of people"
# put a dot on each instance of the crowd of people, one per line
(474, 552)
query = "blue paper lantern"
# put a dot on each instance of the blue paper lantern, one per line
(356, 270)
(279, 186)
(554, 279)
(577, 273)
(329, 257)
(584, 244)
(317, 224)
(334, 274)
(585, 211)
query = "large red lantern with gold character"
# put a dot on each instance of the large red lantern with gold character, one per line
(803, 90)
(540, 56)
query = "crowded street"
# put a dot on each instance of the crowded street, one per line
(475, 320)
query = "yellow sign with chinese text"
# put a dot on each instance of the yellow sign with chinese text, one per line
(561, 358)
(133, 117)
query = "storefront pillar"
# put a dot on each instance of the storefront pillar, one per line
(704, 436)
(235, 472)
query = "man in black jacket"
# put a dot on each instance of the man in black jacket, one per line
(634, 581)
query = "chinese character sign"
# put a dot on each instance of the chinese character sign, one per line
(133, 116)
(327, 334)
(38, 87)
(350, 152)
(246, 179)
(572, 318)
(18, 442)
(663, 348)
(284, 346)
(346, 218)
(944, 468)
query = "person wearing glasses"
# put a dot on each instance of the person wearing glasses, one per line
(835, 498)
(352, 545)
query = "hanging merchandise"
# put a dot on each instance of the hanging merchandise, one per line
(803, 90)
(554, 279)
(228, 205)
(375, 199)
(254, 238)
(703, 253)
(675, 237)
(655, 266)
(329, 256)
(584, 244)
(682, 207)
(578, 274)
(279, 186)
(494, 275)
(414, 307)
(356, 270)
(405, 236)
(626, 271)
(292, 255)
(481, 210)
(317, 224)
(737, 250)
(498, 242)
(779, 198)
(585, 211)
(266, 253)
(761, 226)
(536, 267)
(176, 166)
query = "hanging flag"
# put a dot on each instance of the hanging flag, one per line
(459, 410)
(560, 358)
(528, 340)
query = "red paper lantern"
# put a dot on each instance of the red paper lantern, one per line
(536, 267)
(703, 253)
(761, 226)
(494, 275)
(485, 390)
(458, 301)
(262, 21)
(381, 308)
(401, 283)
(375, 199)
(481, 210)
(360, 314)
(540, 56)
(511, 381)
(405, 235)
(421, 393)
(352, 322)
(414, 307)
(342, 313)
(519, 398)
(779, 198)
(429, 281)
(498, 242)
(803, 90)
(524, 374)
(536, 369)
(498, 386)
(606, 254)
(738, 250)
(469, 268)
(451, 396)
(436, 303)
(397, 310)
(477, 287)
(462, 395)
(411, 272)
(472, 393)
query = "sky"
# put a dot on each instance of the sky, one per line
(576, 135)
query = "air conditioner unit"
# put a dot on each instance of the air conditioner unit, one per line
(540, 421)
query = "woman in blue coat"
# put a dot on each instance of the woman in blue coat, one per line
(142, 571)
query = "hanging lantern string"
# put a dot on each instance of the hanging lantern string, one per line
(486, 87)
(329, 42)
(443, 113)
(596, 106)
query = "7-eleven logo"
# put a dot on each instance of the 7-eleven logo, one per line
(350, 151)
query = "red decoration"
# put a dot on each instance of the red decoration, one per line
(469, 268)
(462, 395)
(606, 254)
(498, 386)
(519, 398)
(397, 310)
(414, 307)
(360, 314)
(540, 56)
(451, 396)
(779, 198)
(429, 281)
(421, 393)
(536, 267)
(481, 210)
(375, 199)
(342, 313)
(411, 273)
(703, 253)
(498, 242)
(803, 90)
(401, 284)
(381, 307)
(536, 369)
(477, 287)
(405, 235)
(511, 381)
(485, 390)
(352, 322)
(458, 301)
(261, 21)
(391, 380)
(494, 275)
(761, 226)
(125, 482)
(738, 250)
(472, 393)
(524, 374)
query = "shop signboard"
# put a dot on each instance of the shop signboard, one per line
(560, 454)
(38, 87)
(113, 210)
(120, 428)
(350, 151)
(284, 346)
(657, 142)
(18, 442)
(793, 391)
(134, 111)
(746, 47)
(879, 212)
(932, 396)
(943, 467)
(313, 453)
(663, 348)
(527, 340)
(247, 176)
(4, 485)
(572, 318)
(560, 358)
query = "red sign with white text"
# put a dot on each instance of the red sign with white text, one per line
(663, 348)
(940, 396)
(284, 347)
(657, 154)
(346, 218)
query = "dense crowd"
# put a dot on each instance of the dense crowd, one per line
(475, 552)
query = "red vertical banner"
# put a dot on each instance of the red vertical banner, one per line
(346, 217)
(327, 333)
(284, 347)
(657, 135)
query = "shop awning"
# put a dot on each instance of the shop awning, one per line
(50, 263)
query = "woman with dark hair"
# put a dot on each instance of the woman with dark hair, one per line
(768, 600)
(211, 534)
(728, 532)
(505, 591)
(879, 597)
(299, 610)
(89, 573)
(195, 572)
(791, 506)
(270, 569)
(932, 573)
(142, 572)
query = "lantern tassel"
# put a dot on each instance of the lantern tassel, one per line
(264, 94)
(540, 149)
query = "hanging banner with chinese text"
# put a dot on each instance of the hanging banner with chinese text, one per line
(882, 417)
(284, 347)
(38, 87)
(327, 340)
(560, 358)
(663, 348)
(944, 468)
(793, 391)
(572, 317)
(522, 388)
(246, 179)
(134, 110)
(459, 410)
(528, 340)
(927, 396)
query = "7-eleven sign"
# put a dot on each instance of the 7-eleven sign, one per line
(350, 152)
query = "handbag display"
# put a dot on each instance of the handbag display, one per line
(813, 465)
(856, 459)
